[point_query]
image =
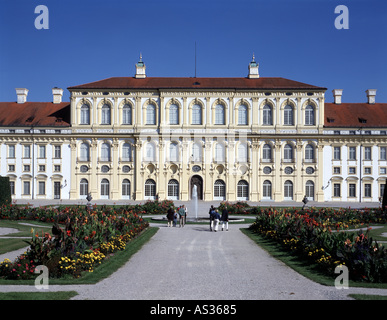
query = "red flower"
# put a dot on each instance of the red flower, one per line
(68, 232)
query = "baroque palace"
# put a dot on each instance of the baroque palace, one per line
(252, 138)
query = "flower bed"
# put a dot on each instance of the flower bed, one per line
(79, 241)
(309, 234)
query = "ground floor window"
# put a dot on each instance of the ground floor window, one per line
(243, 190)
(266, 192)
(336, 190)
(150, 189)
(352, 190)
(126, 189)
(288, 190)
(84, 187)
(105, 189)
(219, 190)
(367, 190)
(309, 190)
(173, 189)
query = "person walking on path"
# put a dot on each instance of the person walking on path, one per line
(216, 220)
(211, 213)
(182, 214)
(224, 218)
(170, 216)
(175, 218)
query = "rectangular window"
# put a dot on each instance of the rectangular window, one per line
(57, 152)
(27, 152)
(26, 168)
(11, 168)
(336, 170)
(367, 190)
(12, 186)
(26, 187)
(383, 153)
(367, 153)
(352, 190)
(42, 187)
(352, 170)
(336, 190)
(42, 152)
(383, 170)
(57, 168)
(11, 151)
(352, 153)
(367, 170)
(336, 153)
(382, 190)
(42, 168)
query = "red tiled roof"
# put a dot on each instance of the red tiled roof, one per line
(197, 83)
(40, 114)
(356, 115)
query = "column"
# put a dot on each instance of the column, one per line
(115, 183)
(74, 192)
(254, 163)
(139, 174)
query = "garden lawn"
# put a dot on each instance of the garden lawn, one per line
(60, 295)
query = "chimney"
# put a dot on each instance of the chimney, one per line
(371, 93)
(57, 94)
(140, 69)
(337, 93)
(21, 95)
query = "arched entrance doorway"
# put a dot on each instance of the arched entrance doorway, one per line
(198, 181)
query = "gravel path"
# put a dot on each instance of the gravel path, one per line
(194, 263)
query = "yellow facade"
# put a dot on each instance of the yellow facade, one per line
(234, 144)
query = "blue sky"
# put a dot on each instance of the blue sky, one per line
(93, 40)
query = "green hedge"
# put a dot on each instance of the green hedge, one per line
(5, 191)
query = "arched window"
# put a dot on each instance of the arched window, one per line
(173, 189)
(196, 152)
(106, 114)
(266, 192)
(126, 152)
(309, 190)
(219, 114)
(309, 115)
(105, 189)
(127, 114)
(288, 116)
(288, 190)
(288, 153)
(174, 152)
(85, 152)
(267, 115)
(309, 153)
(150, 189)
(84, 187)
(266, 153)
(242, 152)
(242, 115)
(219, 190)
(243, 190)
(219, 153)
(85, 114)
(150, 152)
(150, 114)
(126, 189)
(105, 152)
(196, 114)
(173, 114)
